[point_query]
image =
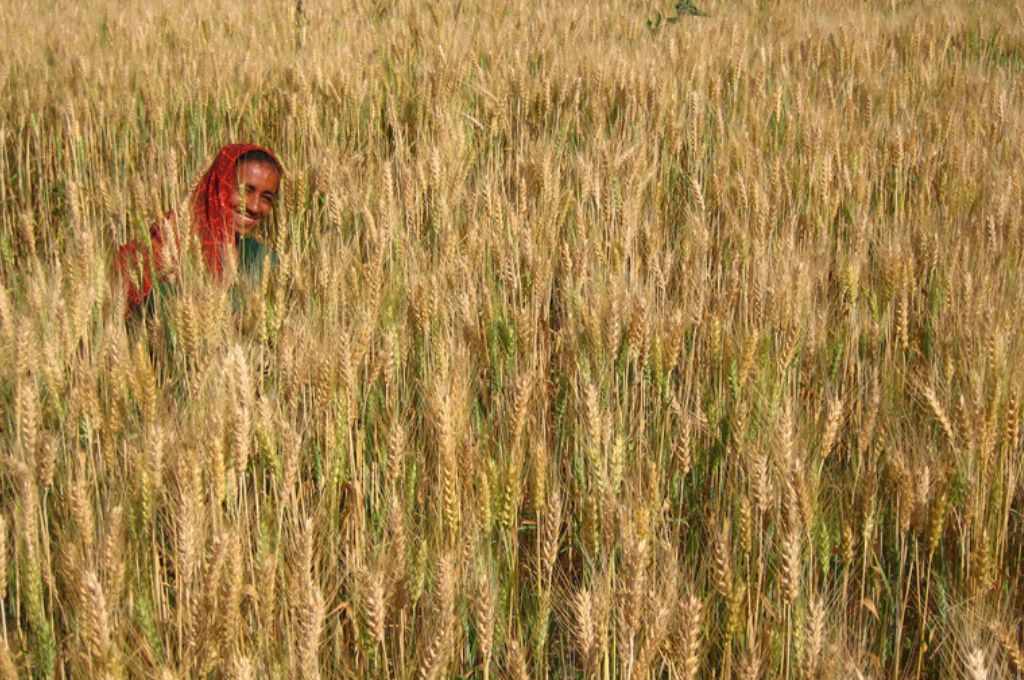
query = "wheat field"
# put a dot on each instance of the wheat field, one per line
(604, 341)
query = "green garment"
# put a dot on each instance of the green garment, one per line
(161, 321)
(250, 258)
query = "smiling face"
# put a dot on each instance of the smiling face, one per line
(253, 200)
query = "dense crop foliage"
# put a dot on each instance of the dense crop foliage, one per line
(596, 346)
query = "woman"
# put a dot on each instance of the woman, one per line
(232, 199)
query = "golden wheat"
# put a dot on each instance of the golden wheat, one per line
(599, 339)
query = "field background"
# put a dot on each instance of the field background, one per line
(600, 345)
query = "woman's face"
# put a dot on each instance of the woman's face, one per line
(252, 201)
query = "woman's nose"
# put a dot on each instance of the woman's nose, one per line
(255, 206)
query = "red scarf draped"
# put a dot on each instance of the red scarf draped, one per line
(212, 220)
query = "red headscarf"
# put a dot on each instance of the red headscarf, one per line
(212, 220)
(211, 203)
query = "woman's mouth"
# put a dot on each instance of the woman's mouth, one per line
(245, 220)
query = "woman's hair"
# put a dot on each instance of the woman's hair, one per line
(260, 156)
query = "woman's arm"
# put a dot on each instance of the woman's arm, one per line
(136, 264)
